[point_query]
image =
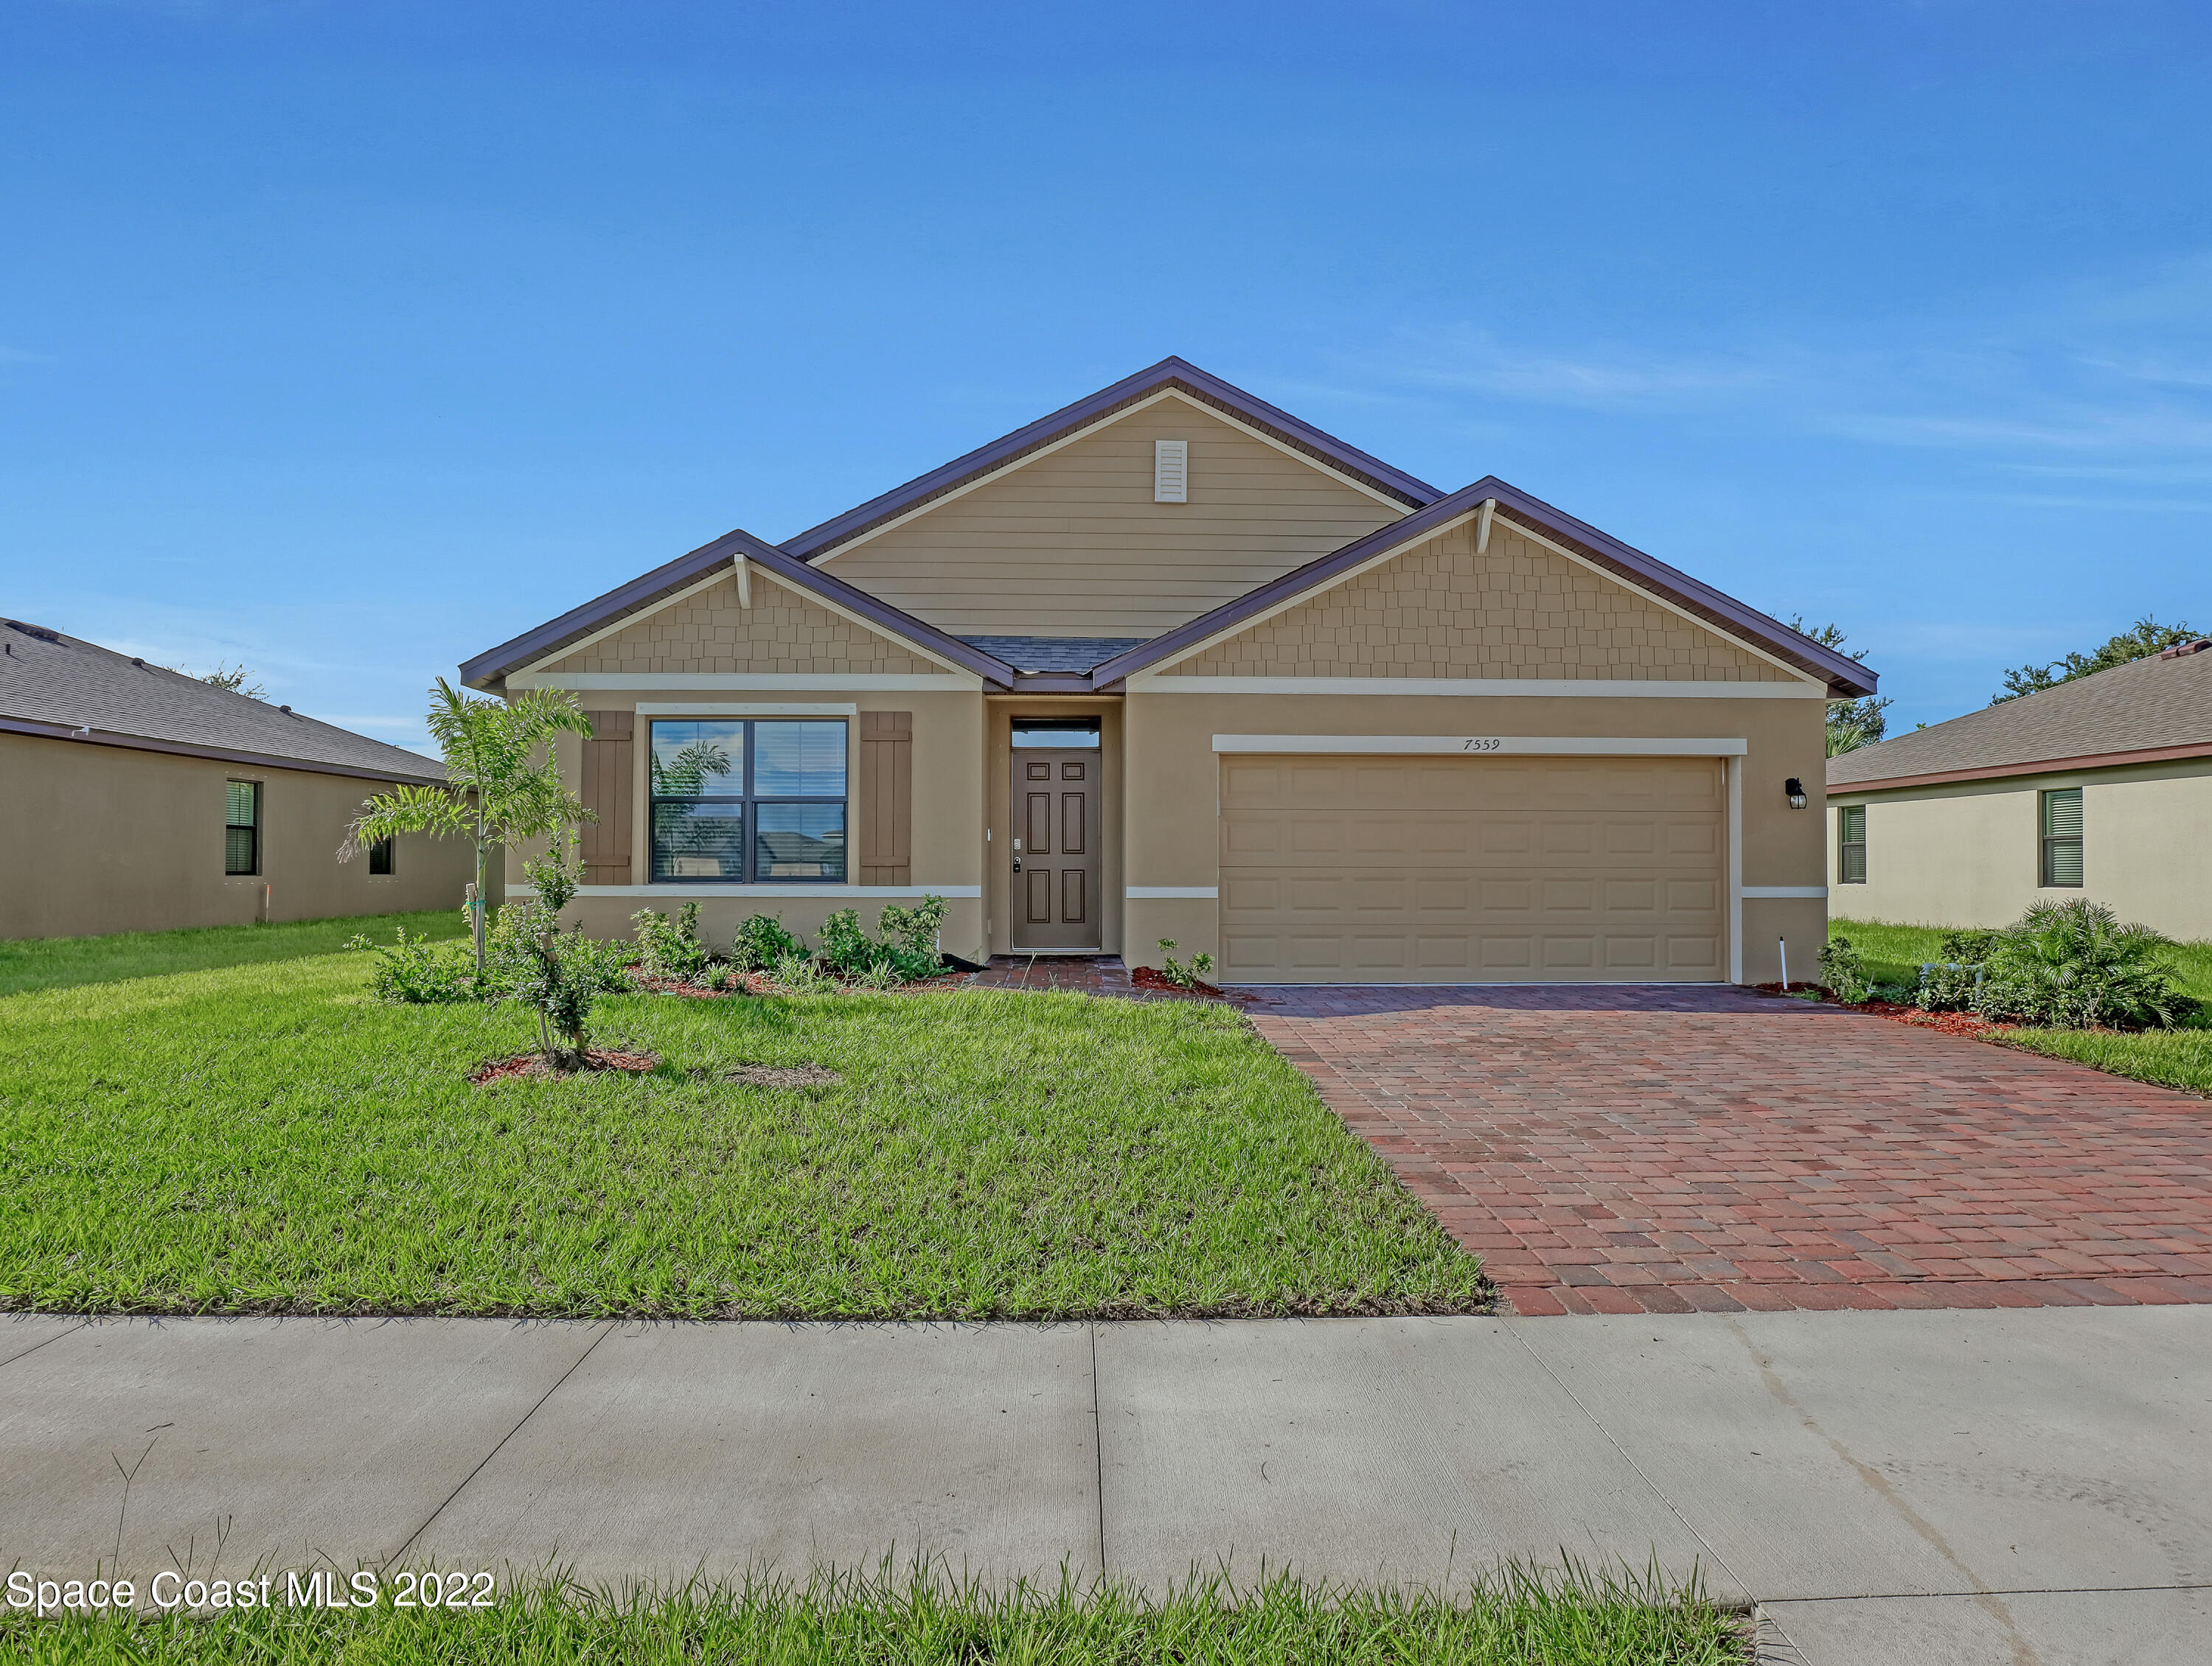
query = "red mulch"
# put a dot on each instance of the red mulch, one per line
(534, 1064)
(1153, 981)
(1950, 1023)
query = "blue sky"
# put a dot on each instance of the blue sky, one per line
(347, 340)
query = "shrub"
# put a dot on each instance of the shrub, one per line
(418, 972)
(600, 966)
(798, 975)
(1842, 971)
(905, 951)
(1184, 975)
(670, 949)
(546, 967)
(2072, 965)
(762, 944)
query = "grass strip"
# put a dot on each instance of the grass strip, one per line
(1516, 1617)
(269, 1139)
(2170, 1058)
(34, 963)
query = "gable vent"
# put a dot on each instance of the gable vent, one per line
(1172, 471)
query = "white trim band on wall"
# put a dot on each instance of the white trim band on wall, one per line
(1470, 687)
(742, 709)
(1806, 891)
(1488, 746)
(793, 681)
(681, 891)
(1149, 892)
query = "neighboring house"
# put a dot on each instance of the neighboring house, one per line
(137, 799)
(1171, 663)
(2100, 788)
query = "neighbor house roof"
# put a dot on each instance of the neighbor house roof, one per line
(2143, 712)
(1845, 677)
(1178, 374)
(62, 688)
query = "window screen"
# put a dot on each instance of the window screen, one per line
(241, 834)
(748, 800)
(1850, 845)
(2062, 837)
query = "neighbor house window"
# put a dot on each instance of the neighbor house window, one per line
(2062, 836)
(241, 834)
(379, 857)
(1850, 845)
(748, 800)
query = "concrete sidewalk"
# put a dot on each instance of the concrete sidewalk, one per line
(2026, 1486)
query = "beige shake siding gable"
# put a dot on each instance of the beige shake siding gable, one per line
(710, 630)
(1518, 610)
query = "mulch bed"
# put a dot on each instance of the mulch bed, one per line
(1153, 981)
(1950, 1023)
(534, 1064)
(786, 1076)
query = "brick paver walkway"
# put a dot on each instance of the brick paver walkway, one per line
(1615, 1150)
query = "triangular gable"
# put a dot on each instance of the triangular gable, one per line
(721, 626)
(671, 584)
(1074, 540)
(1515, 610)
(1491, 501)
(1232, 402)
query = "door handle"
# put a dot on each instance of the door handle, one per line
(1017, 864)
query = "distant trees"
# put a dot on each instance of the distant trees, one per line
(2141, 640)
(1852, 724)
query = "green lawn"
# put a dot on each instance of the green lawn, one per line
(2172, 1058)
(1514, 1618)
(266, 1138)
(29, 963)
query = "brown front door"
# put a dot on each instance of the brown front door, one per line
(1055, 849)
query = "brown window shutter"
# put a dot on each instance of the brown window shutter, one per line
(605, 790)
(886, 808)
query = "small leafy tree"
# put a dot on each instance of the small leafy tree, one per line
(2139, 640)
(545, 967)
(498, 790)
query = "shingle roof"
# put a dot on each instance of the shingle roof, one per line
(1055, 653)
(56, 684)
(2152, 705)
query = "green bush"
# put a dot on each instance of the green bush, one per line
(1843, 971)
(905, 950)
(419, 972)
(762, 944)
(2073, 965)
(670, 949)
(1184, 974)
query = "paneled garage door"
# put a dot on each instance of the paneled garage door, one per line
(1439, 869)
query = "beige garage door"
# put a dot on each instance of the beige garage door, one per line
(1436, 869)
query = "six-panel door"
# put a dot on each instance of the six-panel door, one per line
(1056, 821)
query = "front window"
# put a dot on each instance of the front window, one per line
(241, 834)
(1850, 845)
(748, 800)
(2062, 837)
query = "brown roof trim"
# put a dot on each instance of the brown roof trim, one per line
(1170, 372)
(51, 731)
(2148, 754)
(642, 593)
(1724, 613)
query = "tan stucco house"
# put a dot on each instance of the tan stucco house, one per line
(134, 798)
(1170, 663)
(2100, 788)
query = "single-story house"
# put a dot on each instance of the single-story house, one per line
(1171, 663)
(139, 799)
(2101, 787)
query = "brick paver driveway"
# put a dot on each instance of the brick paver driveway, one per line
(1613, 1149)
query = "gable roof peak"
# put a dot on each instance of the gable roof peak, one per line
(1172, 373)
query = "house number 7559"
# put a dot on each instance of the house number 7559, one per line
(1490, 745)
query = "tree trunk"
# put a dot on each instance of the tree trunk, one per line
(477, 911)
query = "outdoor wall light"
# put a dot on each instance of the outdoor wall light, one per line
(1795, 789)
